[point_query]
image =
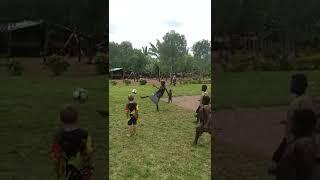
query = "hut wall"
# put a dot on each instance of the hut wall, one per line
(27, 42)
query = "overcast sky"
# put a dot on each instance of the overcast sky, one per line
(144, 21)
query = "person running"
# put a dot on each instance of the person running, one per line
(170, 96)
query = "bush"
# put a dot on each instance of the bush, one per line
(127, 82)
(14, 67)
(57, 65)
(142, 82)
(102, 63)
(307, 63)
(114, 83)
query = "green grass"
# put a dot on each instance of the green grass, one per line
(255, 89)
(29, 111)
(163, 147)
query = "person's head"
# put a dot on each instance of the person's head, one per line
(304, 122)
(206, 100)
(163, 83)
(69, 115)
(298, 84)
(204, 88)
(130, 97)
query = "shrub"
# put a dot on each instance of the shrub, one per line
(101, 63)
(114, 83)
(57, 64)
(14, 67)
(127, 82)
(142, 82)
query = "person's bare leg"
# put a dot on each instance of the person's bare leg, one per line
(198, 134)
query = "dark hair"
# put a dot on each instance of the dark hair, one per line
(304, 122)
(69, 114)
(298, 84)
(204, 87)
(163, 82)
(130, 97)
(206, 100)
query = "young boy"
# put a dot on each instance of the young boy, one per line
(132, 115)
(71, 150)
(170, 96)
(205, 116)
(203, 93)
(298, 86)
(298, 160)
(155, 98)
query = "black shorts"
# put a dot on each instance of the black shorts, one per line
(132, 121)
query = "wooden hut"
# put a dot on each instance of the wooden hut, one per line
(116, 73)
(24, 38)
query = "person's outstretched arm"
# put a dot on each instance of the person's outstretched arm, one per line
(155, 86)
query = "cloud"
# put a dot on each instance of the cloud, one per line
(173, 23)
(145, 21)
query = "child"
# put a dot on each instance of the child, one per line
(155, 98)
(298, 86)
(203, 93)
(170, 96)
(298, 160)
(71, 151)
(132, 115)
(205, 116)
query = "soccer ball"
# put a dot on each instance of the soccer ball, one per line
(80, 95)
(134, 91)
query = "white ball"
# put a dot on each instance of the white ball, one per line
(134, 91)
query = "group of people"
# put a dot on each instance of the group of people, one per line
(203, 112)
(298, 155)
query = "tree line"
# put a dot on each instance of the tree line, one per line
(171, 55)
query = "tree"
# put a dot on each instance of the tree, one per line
(201, 51)
(173, 47)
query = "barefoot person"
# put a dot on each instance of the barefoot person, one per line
(132, 115)
(203, 93)
(301, 101)
(155, 98)
(205, 117)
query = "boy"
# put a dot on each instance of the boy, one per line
(132, 115)
(71, 151)
(155, 98)
(170, 96)
(205, 116)
(298, 86)
(203, 93)
(298, 160)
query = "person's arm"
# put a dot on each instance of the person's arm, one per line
(127, 111)
(137, 111)
(155, 86)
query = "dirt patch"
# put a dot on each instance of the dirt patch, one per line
(255, 131)
(188, 102)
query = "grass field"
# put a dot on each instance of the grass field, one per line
(163, 147)
(29, 111)
(254, 89)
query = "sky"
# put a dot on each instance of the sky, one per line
(145, 21)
